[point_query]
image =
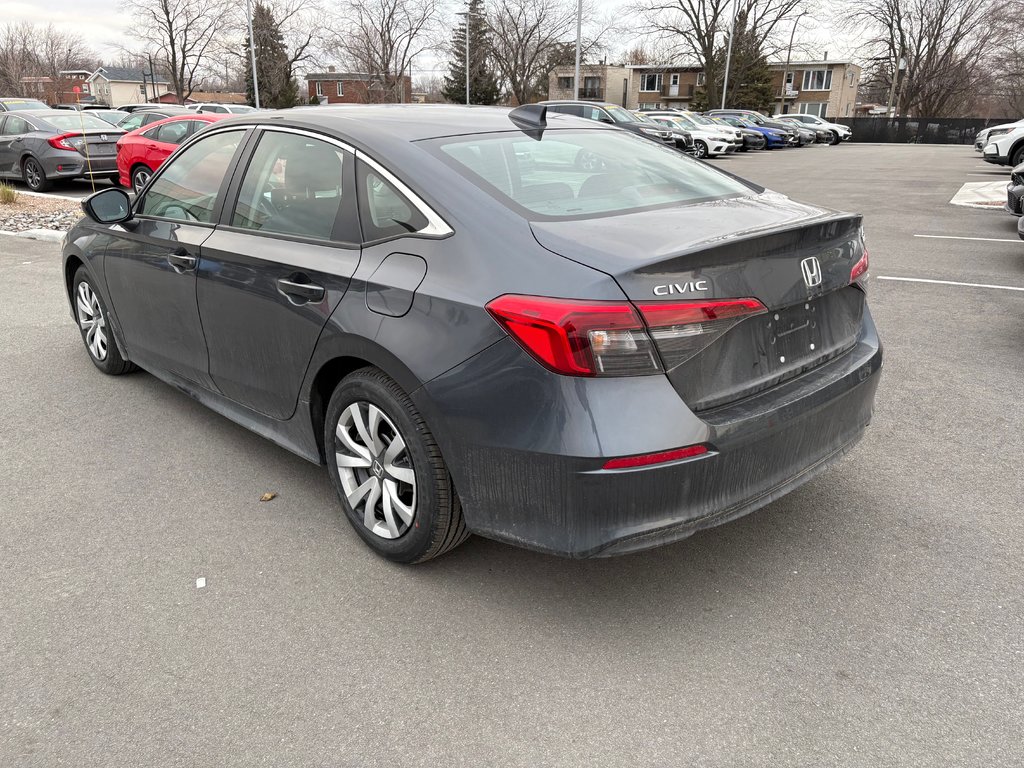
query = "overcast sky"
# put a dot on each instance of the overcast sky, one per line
(105, 27)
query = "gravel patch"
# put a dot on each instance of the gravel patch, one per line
(30, 212)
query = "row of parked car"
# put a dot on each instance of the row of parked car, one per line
(1004, 145)
(40, 145)
(714, 133)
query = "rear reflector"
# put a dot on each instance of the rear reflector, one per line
(647, 459)
(860, 268)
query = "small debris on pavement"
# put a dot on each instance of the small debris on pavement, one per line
(268, 496)
(200, 582)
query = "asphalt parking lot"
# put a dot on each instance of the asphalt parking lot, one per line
(871, 618)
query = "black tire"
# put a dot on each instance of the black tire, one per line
(835, 138)
(700, 149)
(140, 176)
(1017, 157)
(106, 357)
(437, 525)
(34, 176)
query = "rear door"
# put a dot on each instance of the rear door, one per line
(277, 267)
(9, 133)
(150, 263)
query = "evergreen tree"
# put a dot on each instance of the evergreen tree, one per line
(750, 80)
(483, 82)
(277, 88)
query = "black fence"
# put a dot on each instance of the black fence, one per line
(919, 130)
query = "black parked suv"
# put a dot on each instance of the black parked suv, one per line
(615, 115)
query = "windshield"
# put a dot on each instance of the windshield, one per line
(75, 120)
(700, 119)
(14, 105)
(620, 115)
(576, 174)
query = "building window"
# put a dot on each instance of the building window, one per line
(565, 83)
(341, 88)
(812, 108)
(701, 79)
(591, 88)
(650, 83)
(818, 80)
(674, 79)
(319, 88)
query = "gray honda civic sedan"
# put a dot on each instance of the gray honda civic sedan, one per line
(476, 332)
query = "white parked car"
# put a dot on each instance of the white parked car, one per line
(986, 135)
(1007, 148)
(839, 132)
(223, 109)
(709, 139)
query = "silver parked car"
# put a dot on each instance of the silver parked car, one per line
(40, 146)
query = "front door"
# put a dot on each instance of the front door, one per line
(673, 85)
(150, 264)
(12, 131)
(276, 268)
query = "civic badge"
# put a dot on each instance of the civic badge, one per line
(811, 269)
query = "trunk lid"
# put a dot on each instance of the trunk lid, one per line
(100, 143)
(794, 258)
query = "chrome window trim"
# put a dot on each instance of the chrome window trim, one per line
(436, 226)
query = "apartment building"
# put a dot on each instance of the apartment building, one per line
(824, 88)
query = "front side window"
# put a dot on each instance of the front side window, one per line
(576, 174)
(384, 211)
(818, 80)
(650, 82)
(15, 126)
(172, 133)
(187, 188)
(296, 185)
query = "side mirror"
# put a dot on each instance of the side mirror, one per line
(109, 206)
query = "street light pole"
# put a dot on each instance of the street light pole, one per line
(789, 56)
(466, 54)
(728, 54)
(252, 54)
(579, 28)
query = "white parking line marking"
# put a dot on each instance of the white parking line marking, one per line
(985, 239)
(950, 282)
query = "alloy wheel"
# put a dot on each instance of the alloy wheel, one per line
(91, 321)
(375, 469)
(140, 178)
(702, 149)
(33, 174)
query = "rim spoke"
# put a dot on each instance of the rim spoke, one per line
(391, 493)
(370, 510)
(396, 447)
(344, 460)
(83, 306)
(402, 474)
(356, 495)
(373, 429)
(90, 334)
(346, 439)
(360, 424)
(87, 323)
(389, 517)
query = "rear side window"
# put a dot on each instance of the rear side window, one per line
(383, 210)
(130, 123)
(300, 186)
(187, 187)
(576, 174)
(173, 133)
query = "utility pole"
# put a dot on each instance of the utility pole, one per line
(728, 54)
(789, 57)
(252, 54)
(579, 28)
(892, 86)
(466, 53)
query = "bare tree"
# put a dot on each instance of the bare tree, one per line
(695, 29)
(181, 33)
(944, 46)
(59, 51)
(382, 38)
(529, 38)
(18, 45)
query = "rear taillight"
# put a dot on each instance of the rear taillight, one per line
(67, 141)
(682, 330)
(611, 338)
(578, 338)
(860, 268)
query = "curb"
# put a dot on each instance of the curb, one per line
(30, 193)
(46, 235)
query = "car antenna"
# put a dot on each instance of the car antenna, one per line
(532, 118)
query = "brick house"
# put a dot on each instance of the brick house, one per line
(61, 90)
(824, 88)
(333, 87)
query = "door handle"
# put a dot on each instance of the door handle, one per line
(180, 261)
(303, 292)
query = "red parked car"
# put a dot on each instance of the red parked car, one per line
(142, 151)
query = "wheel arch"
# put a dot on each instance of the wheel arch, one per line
(1016, 147)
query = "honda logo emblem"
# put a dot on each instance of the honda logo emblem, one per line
(103, 137)
(812, 271)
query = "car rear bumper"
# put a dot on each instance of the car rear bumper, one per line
(71, 165)
(1014, 197)
(529, 455)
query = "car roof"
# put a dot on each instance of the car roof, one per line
(372, 124)
(583, 102)
(203, 117)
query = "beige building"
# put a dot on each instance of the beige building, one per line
(115, 86)
(823, 88)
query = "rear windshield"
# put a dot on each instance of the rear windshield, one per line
(576, 174)
(73, 120)
(13, 105)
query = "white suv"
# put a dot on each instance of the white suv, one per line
(709, 139)
(987, 135)
(1006, 149)
(839, 132)
(223, 109)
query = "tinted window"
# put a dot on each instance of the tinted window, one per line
(15, 126)
(173, 133)
(187, 188)
(295, 185)
(568, 109)
(570, 174)
(384, 211)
